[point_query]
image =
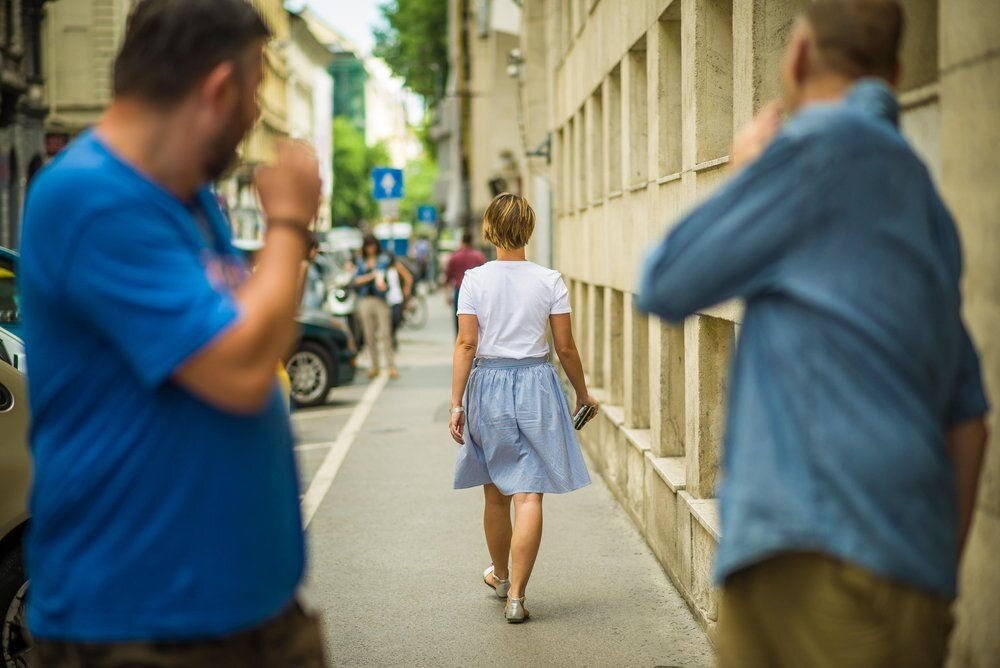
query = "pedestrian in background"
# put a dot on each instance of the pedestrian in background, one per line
(370, 281)
(462, 260)
(313, 287)
(855, 420)
(520, 443)
(165, 525)
(400, 283)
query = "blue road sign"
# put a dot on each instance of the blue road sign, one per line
(387, 183)
(427, 214)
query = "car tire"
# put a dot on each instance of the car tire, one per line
(15, 641)
(313, 372)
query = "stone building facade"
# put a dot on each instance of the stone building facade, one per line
(480, 151)
(639, 100)
(22, 109)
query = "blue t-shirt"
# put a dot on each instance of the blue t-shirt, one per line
(154, 515)
(853, 359)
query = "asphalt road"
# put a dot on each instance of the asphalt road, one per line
(396, 555)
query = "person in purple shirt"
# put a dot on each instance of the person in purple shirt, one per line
(462, 260)
(856, 407)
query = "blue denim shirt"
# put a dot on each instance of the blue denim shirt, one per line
(852, 360)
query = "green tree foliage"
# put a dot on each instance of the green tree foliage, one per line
(353, 162)
(414, 44)
(419, 177)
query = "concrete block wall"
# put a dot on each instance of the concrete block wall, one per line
(646, 95)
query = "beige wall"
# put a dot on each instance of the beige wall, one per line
(494, 148)
(645, 95)
(969, 91)
(81, 39)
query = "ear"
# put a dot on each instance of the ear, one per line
(803, 56)
(219, 83)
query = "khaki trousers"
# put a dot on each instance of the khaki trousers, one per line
(291, 640)
(376, 325)
(809, 610)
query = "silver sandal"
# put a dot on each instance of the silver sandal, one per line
(515, 612)
(501, 587)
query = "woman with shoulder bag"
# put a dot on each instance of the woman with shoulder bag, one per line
(520, 443)
(373, 309)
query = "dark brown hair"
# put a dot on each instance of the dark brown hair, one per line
(171, 45)
(857, 38)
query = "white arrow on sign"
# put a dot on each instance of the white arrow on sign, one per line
(388, 183)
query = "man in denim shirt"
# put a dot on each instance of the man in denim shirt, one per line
(855, 427)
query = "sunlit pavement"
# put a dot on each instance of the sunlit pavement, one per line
(396, 554)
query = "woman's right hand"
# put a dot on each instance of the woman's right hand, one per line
(586, 400)
(457, 427)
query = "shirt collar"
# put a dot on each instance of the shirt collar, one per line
(873, 97)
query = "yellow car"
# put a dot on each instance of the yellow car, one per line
(15, 480)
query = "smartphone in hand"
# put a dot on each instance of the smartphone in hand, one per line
(583, 416)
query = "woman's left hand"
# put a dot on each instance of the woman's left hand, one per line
(457, 427)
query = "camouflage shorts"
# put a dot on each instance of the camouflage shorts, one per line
(292, 640)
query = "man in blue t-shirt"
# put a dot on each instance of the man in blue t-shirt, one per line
(855, 425)
(165, 521)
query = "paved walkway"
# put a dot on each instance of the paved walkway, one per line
(396, 554)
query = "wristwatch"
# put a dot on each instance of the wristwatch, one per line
(457, 409)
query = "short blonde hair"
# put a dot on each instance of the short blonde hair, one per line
(509, 221)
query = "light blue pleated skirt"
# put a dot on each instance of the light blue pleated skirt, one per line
(519, 433)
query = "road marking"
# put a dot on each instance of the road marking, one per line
(314, 446)
(323, 479)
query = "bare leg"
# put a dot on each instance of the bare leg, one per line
(496, 522)
(526, 539)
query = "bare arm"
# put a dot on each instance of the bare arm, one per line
(465, 352)
(569, 357)
(406, 277)
(967, 446)
(236, 371)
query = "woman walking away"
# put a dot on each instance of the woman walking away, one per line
(373, 309)
(520, 442)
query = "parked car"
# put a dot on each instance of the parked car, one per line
(15, 481)
(10, 303)
(324, 358)
(325, 354)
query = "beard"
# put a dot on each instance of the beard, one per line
(221, 155)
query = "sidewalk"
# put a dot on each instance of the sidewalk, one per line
(396, 554)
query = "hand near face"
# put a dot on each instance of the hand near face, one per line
(290, 188)
(758, 134)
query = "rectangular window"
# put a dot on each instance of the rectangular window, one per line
(569, 175)
(668, 94)
(614, 114)
(580, 163)
(597, 145)
(560, 179)
(714, 76)
(638, 105)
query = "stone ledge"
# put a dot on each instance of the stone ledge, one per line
(640, 439)
(706, 511)
(616, 414)
(672, 470)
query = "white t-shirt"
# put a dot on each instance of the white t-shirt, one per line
(513, 302)
(395, 294)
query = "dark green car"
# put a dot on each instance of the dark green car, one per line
(324, 358)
